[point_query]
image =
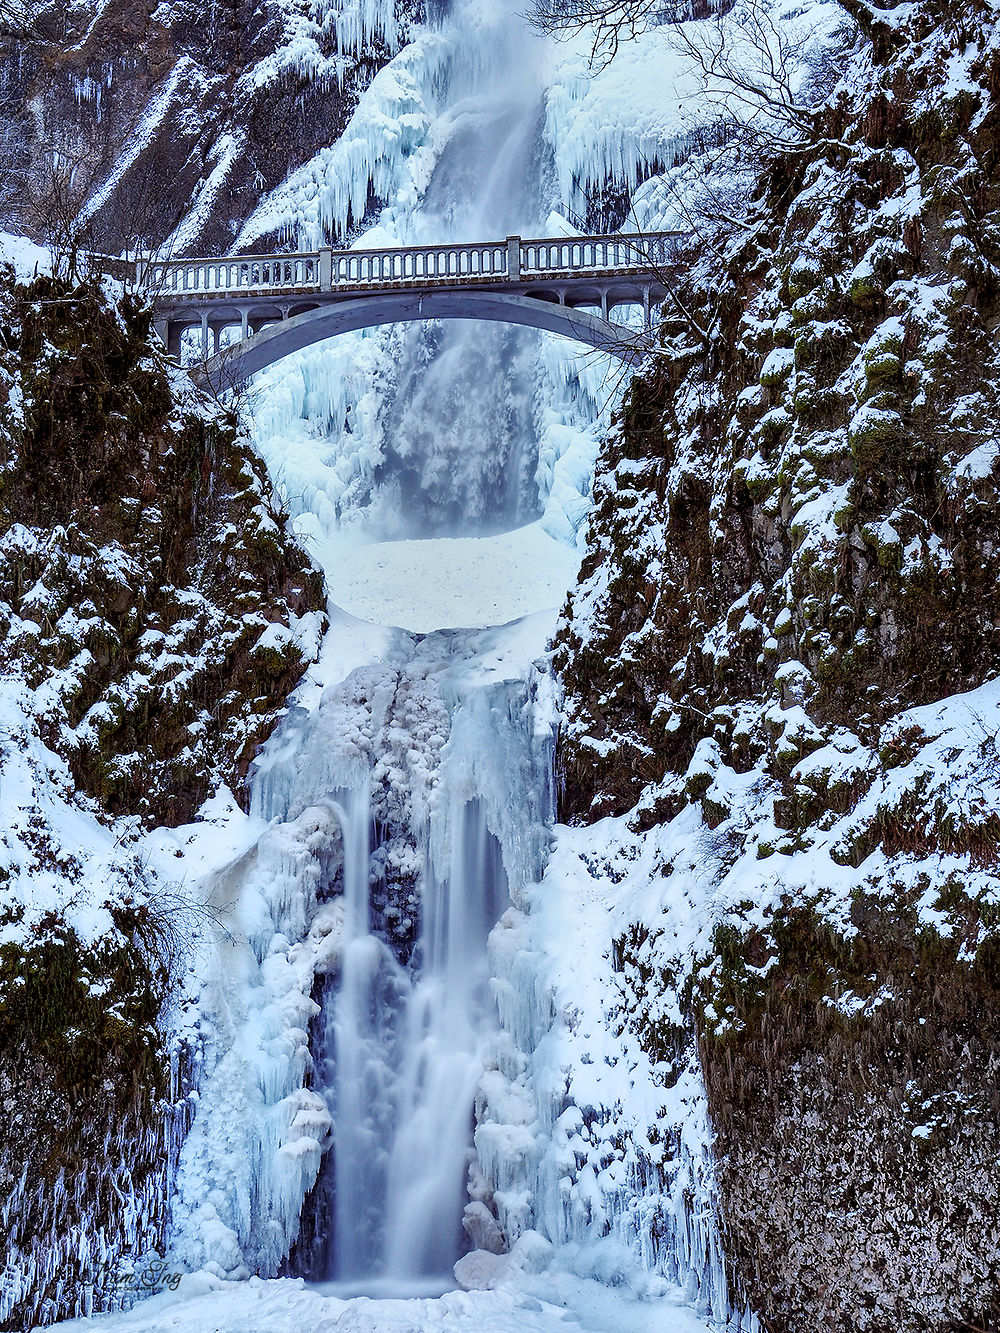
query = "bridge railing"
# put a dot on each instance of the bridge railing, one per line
(327, 270)
(249, 273)
(596, 253)
(369, 268)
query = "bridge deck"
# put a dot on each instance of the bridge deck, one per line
(546, 260)
(284, 302)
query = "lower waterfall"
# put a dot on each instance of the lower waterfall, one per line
(399, 1055)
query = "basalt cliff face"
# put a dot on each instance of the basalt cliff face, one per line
(154, 614)
(131, 127)
(785, 643)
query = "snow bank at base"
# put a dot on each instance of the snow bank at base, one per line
(550, 1302)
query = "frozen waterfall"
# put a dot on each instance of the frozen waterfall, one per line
(400, 1052)
(388, 1071)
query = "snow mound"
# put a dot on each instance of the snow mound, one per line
(286, 1305)
(452, 582)
(26, 257)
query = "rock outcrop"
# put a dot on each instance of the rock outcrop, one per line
(786, 639)
(154, 614)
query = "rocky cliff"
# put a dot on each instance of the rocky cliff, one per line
(132, 126)
(785, 642)
(154, 614)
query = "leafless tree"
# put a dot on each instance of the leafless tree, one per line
(18, 20)
(753, 67)
(610, 22)
(768, 78)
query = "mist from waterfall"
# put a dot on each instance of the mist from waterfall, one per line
(460, 439)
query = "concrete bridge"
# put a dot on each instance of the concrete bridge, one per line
(279, 304)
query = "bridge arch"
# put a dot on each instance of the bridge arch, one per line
(286, 336)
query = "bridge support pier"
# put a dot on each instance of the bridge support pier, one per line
(647, 309)
(604, 304)
(204, 334)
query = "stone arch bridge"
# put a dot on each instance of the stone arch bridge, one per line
(252, 310)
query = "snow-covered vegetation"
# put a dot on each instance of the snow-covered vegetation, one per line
(153, 615)
(786, 623)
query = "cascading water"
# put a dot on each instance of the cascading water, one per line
(400, 1053)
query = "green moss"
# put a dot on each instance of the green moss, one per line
(85, 1010)
(865, 291)
(872, 438)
